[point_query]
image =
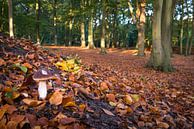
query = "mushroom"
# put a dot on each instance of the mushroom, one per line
(41, 77)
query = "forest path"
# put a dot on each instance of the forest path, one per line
(122, 59)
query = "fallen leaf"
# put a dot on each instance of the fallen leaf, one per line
(135, 97)
(111, 97)
(2, 112)
(128, 99)
(56, 98)
(2, 62)
(9, 108)
(70, 104)
(108, 112)
(31, 102)
(103, 86)
(68, 120)
(17, 118)
(12, 125)
(140, 124)
(82, 107)
(163, 125)
(27, 65)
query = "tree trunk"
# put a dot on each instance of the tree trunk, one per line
(2, 14)
(102, 43)
(141, 27)
(167, 13)
(90, 30)
(181, 31)
(192, 35)
(90, 34)
(115, 25)
(157, 51)
(55, 21)
(38, 22)
(187, 34)
(82, 26)
(83, 41)
(11, 33)
(161, 34)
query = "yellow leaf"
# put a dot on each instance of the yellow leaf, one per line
(70, 104)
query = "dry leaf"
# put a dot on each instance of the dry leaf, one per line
(68, 120)
(128, 99)
(56, 98)
(17, 118)
(108, 112)
(12, 125)
(2, 112)
(103, 86)
(9, 108)
(31, 102)
(70, 104)
(111, 97)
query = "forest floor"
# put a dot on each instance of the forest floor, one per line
(111, 91)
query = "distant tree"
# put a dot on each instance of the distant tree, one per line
(139, 19)
(181, 27)
(55, 20)
(37, 6)
(90, 27)
(82, 26)
(192, 34)
(161, 35)
(102, 42)
(11, 32)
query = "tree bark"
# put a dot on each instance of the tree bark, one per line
(161, 35)
(141, 27)
(82, 26)
(181, 31)
(192, 35)
(90, 30)
(187, 34)
(55, 21)
(83, 41)
(157, 51)
(11, 32)
(102, 43)
(38, 22)
(167, 13)
(2, 14)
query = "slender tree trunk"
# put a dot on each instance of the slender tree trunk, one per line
(82, 26)
(192, 35)
(90, 30)
(38, 22)
(141, 27)
(187, 34)
(83, 41)
(2, 14)
(55, 21)
(11, 32)
(115, 25)
(102, 43)
(90, 34)
(181, 31)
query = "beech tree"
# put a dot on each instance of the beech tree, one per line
(161, 35)
(11, 33)
(37, 6)
(139, 20)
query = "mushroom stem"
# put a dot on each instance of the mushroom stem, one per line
(42, 89)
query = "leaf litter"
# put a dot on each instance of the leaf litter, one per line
(109, 91)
